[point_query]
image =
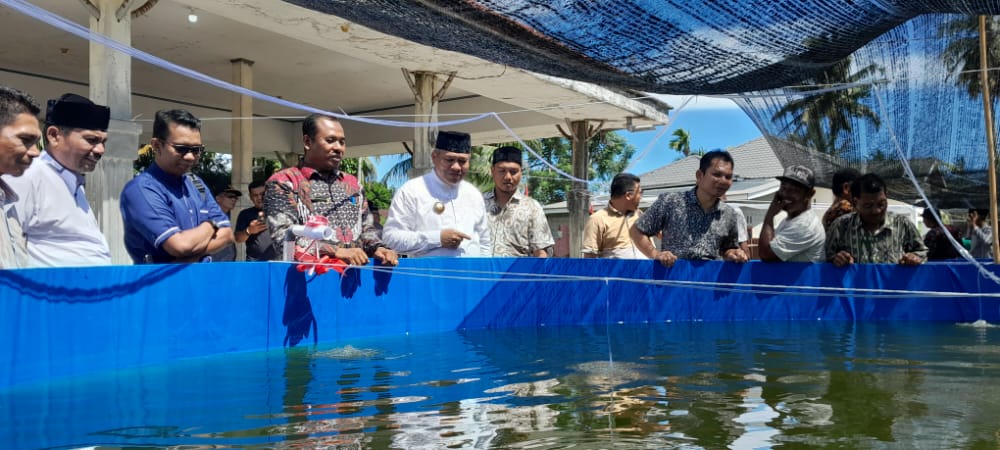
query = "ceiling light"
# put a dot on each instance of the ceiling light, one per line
(192, 17)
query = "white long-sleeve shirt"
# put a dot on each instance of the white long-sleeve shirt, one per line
(414, 227)
(58, 224)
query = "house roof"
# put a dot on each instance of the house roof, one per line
(754, 159)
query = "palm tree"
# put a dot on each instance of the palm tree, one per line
(681, 141)
(818, 120)
(368, 169)
(399, 172)
(961, 56)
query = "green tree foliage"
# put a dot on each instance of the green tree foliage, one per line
(399, 172)
(379, 193)
(818, 121)
(263, 168)
(609, 154)
(681, 142)
(961, 56)
(368, 169)
(214, 168)
(481, 168)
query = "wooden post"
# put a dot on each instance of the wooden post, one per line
(425, 109)
(984, 78)
(578, 197)
(242, 129)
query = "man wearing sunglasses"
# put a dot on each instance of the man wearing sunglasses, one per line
(169, 214)
(58, 224)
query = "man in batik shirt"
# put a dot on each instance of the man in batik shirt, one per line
(317, 191)
(517, 223)
(870, 234)
(696, 224)
(841, 188)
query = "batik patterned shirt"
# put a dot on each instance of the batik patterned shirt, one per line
(519, 228)
(690, 232)
(896, 237)
(837, 209)
(293, 194)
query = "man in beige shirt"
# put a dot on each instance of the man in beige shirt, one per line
(19, 135)
(606, 234)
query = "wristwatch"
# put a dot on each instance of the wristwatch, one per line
(215, 227)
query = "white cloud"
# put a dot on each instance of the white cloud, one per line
(698, 102)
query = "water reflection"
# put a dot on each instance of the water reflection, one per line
(791, 385)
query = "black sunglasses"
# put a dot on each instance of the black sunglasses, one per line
(185, 149)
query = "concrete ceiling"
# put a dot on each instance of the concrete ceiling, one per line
(304, 57)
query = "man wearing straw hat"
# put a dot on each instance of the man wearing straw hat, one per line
(440, 214)
(59, 226)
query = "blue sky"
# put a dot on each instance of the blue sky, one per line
(711, 122)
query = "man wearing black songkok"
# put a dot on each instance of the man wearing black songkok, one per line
(440, 214)
(58, 224)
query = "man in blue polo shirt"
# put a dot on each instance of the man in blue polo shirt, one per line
(168, 212)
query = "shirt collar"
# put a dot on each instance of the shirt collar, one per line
(7, 195)
(434, 179)
(691, 197)
(492, 194)
(614, 211)
(162, 176)
(858, 224)
(309, 173)
(73, 180)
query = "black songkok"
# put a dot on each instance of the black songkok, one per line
(453, 141)
(512, 154)
(75, 111)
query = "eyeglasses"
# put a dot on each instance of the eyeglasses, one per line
(185, 149)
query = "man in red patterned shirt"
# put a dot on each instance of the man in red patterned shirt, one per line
(317, 187)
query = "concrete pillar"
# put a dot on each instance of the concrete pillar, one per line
(242, 138)
(578, 197)
(242, 130)
(111, 85)
(425, 108)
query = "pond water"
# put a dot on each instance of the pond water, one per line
(673, 385)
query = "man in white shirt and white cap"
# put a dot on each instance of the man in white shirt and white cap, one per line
(440, 214)
(59, 226)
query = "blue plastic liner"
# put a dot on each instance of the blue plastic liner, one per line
(59, 323)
